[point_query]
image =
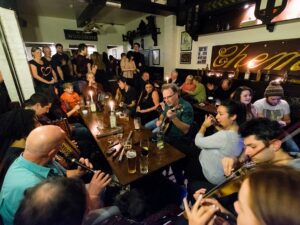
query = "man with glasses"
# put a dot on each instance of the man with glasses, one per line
(264, 140)
(178, 112)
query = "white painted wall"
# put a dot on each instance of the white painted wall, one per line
(50, 29)
(284, 30)
(17, 51)
(148, 42)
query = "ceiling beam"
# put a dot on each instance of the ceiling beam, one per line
(92, 9)
(147, 6)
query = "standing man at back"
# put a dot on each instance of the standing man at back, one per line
(138, 58)
(82, 65)
(62, 60)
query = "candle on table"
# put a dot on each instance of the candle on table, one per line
(111, 104)
(91, 94)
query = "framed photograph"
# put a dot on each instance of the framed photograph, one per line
(202, 55)
(185, 57)
(155, 56)
(186, 42)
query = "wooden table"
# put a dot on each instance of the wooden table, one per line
(158, 159)
(206, 107)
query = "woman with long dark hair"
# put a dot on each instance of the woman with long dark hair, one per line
(244, 95)
(226, 142)
(147, 104)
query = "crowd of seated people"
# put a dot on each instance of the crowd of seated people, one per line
(242, 129)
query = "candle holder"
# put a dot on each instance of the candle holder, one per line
(113, 119)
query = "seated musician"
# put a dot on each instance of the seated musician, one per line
(60, 200)
(207, 168)
(263, 198)
(263, 144)
(126, 96)
(35, 165)
(148, 103)
(179, 113)
(41, 104)
(15, 127)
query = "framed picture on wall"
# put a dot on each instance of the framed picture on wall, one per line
(146, 53)
(202, 55)
(186, 42)
(185, 57)
(155, 56)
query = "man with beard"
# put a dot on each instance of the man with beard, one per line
(264, 144)
(178, 111)
(272, 106)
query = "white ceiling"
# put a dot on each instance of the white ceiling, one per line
(70, 9)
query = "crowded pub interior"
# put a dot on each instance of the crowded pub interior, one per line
(149, 112)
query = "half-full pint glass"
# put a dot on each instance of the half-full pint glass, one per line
(131, 160)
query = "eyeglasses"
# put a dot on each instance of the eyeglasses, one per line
(168, 97)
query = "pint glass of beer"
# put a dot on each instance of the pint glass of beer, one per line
(131, 160)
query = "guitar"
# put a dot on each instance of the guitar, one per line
(165, 125)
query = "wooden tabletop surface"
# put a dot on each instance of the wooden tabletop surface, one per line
(207, 107)
(158, 159)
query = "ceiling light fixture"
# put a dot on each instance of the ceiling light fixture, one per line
(114, 4)
(246, 6)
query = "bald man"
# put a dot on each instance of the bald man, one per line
(37, 164)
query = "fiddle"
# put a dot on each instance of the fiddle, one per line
(232, 183)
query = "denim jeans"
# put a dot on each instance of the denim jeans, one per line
(151, 125)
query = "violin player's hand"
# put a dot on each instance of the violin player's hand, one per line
(199, 192)
(212, 201)
(200, 215)
(228, 165)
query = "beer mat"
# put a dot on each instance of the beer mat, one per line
(109, 131)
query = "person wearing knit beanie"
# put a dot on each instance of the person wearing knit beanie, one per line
(273, 106)
(274, 89)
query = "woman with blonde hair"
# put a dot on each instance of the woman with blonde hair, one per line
(268, 196)
(188, 84)
(128, 68)
(43, 75)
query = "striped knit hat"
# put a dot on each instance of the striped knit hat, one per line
(274, 89)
